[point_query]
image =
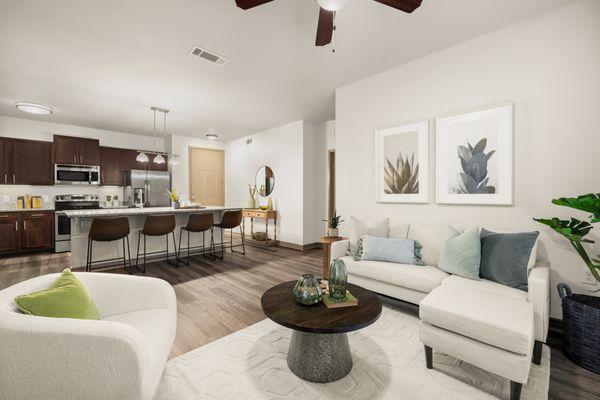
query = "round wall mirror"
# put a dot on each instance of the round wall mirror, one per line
(265, 181)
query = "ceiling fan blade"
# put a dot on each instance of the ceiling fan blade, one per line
(325, 27)
(407, 6)
(247, 4)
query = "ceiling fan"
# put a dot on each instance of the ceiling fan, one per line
(326, 25)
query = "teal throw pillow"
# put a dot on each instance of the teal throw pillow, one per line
(461, 253)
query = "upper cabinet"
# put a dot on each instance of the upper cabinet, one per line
(112, 164)
(78, 151)
(25, 162)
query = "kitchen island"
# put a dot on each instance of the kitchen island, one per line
(81, 221)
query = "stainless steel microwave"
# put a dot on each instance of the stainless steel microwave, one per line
(76, 175)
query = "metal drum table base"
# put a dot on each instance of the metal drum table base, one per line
(319, 357)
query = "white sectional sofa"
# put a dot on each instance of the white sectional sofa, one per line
(492, 326)
(121, 356)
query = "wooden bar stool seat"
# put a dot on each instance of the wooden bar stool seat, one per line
(157, 225)
(231, 219)
(109, 229)
(198, 223)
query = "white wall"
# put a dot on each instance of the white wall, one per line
(44, 130)
(314, 181)
(180, 177)
(549, 66)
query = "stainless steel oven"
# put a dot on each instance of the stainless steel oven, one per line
(76, 174)
(62, 223)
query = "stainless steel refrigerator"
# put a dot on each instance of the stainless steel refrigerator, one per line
(147, 187)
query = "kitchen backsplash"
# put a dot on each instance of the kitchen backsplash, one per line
(9, 193)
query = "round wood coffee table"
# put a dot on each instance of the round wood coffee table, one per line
(319, 349)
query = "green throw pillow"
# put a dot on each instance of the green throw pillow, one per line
(461, 253)
(66, 298)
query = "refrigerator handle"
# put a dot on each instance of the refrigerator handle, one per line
(147, 199)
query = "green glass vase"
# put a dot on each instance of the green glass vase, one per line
(307, 290)
(338, 280)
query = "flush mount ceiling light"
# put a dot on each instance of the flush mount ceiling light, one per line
(33, 108)
(333, 5)
(211, 136)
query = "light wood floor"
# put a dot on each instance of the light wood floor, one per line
(216, 298)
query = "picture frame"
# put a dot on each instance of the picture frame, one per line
(402, 163)
(474, 157)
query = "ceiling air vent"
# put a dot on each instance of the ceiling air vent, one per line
(209, 56)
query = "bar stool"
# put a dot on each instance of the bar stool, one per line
(231, 219)
(108, 229)
(157, 225)
(198, 223)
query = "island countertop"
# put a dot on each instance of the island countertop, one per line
(125, 212)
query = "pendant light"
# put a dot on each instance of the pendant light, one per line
(142, 157)
(159, 159)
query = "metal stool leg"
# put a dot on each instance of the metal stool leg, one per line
(179, 251)
(243, 245)
(137, 257)
(88, 260)
(175, 246)
(124, 255)
(144, 254)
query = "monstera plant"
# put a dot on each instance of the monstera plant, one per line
(474, 163)
(401, 177)
(575, 230)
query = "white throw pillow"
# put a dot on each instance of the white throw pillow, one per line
(359, 228)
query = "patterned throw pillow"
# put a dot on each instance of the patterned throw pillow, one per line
(401, 251)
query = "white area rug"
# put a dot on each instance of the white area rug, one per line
(388, 364)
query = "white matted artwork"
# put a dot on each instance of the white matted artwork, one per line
(401, 163)
(475, 157)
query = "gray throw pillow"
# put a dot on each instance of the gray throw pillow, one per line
(504, 257)
(401, 251)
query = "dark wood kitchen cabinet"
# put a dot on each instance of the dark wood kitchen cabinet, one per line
(23, 231)
(26, 162)
(113, 162)
(38, 230)
(78, 151)
(9, 232)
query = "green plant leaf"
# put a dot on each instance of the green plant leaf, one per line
(573, 229)
(587, 202)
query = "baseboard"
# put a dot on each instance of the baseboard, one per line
(287, 245)
(300, 247)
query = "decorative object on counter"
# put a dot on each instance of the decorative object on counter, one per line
(115, 201)
(265, 181)
(270, 204)
(581, 313)
(27, 201)
(252, 200)
(20, 203)
(333, 222)
(108, 200)
(338, 280)
(37, 202)
(174, 198)
(307, 290)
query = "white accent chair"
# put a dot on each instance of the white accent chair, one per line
(121, 356)
(492, 326)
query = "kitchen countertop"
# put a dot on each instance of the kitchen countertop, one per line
(125, 212)
(49, 208)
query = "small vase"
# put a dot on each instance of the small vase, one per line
(270, 204)
(333, 232)
(252, 203)
(307, 290)
(338, 280)
(176, 205)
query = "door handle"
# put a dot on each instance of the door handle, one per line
(81, 159)
(16, 226)
(37, 215)
(5, 178)
(24, 225)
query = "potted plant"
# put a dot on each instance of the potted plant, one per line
(174, 198)
(581, 313)
(333, 222)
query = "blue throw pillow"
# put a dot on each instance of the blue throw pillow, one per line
(401, 251)
(461, 253)
(504, 257)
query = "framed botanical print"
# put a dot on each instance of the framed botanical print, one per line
(474, 156)
(401, 164)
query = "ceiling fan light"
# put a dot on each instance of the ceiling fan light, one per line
(33, 108)
(333, 5)
(159, 159)
(211, 136)
(142, 157)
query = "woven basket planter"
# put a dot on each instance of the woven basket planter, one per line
(581, 328)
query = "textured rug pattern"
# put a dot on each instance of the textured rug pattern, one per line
(388, 364)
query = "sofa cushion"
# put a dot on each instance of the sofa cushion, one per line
(431, 237)
(419, 278)
(359, 228)
(496, 319)
(461, 253)
(399, 231)
(486, 286)
(505, 257)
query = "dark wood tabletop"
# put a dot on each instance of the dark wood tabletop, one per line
(279, 305)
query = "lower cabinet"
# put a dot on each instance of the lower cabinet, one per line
(26, 231)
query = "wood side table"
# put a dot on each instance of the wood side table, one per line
(327, 240)
(260, 214)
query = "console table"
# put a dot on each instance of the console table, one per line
(265, 215)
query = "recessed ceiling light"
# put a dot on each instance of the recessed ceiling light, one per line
(212, 136)
(33, 108)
